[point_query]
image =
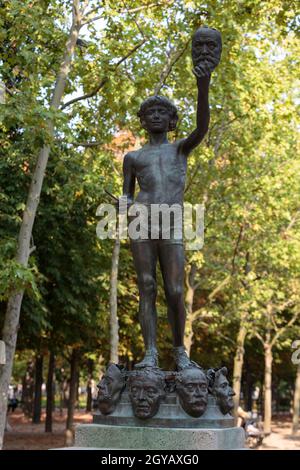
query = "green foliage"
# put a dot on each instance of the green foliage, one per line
(246, 172)
(14, 276)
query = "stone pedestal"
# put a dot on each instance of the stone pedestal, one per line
(100, 436)
(170, 429)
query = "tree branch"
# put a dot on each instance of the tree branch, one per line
(293, 221)
(144, 7)
(284, 328)
(32, 249)
(9, 91)
(168, 67)
(258, 336)
(133, 10)
(87, 95)
(91, 20)
(86, 144)
(104, 80)
(239, 238)
(219, 287)
(84, 6)
(135, 21)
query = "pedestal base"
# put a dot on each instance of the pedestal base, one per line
(112, 437)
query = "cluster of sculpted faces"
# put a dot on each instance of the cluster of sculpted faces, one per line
(147, 388)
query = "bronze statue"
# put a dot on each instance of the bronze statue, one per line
(146, 390)
(160, 168)
(219, 387)
(110, 388)
(191, 387)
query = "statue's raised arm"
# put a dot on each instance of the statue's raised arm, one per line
(206, 54)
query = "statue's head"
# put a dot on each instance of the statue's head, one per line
(146, 390)
(110, 388)
(220, 388)
(191, 386)
(158, 114)
(206, 50)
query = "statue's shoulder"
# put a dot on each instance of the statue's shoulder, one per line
(131, 156)
(178, 143)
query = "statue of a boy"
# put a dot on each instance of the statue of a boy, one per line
(160, 169)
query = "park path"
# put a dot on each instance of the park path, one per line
(281, 438)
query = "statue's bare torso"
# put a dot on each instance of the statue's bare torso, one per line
(161, 172)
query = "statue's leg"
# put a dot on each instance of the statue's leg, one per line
(171, 258)
(145, 259)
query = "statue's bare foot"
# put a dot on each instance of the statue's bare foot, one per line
(150, 359)
(182, 360)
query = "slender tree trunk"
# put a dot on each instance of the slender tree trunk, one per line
(249, 386)
(28, 389)
(113, 301)
(73, 389)
(89, 397)
(11, 320)
(238, 366)
(296, 407)
(268, 389)
(37, 404)
(189, 301)
(50, 395)
(77, 404)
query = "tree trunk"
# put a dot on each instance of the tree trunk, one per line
(238, 366)
(37, 404)
(296, 407)
(268, 389)
(249, 387)
(73, 389)
(89, 397)
(50, 395)
(28, 389)
(12, 316)
(189, 301)
(113, 301)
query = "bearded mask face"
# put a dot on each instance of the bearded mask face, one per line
(221, 389)
(110, 388)
(191, 387)
(206, 51)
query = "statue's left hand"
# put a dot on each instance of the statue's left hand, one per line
(201, 71)
(205, 67)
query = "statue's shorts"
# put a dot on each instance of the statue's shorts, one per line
(155, 223)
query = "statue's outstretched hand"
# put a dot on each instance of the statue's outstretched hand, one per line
(205, 67)
(201, 71)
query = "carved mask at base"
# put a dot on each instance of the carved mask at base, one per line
(191, 387)
(220, 388)
(146, 390)
(110, 388)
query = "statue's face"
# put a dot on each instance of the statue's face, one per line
(224, 393)
(110, 389)
(156, 119)
(145, 393)
(206, 50)
(192, 391)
